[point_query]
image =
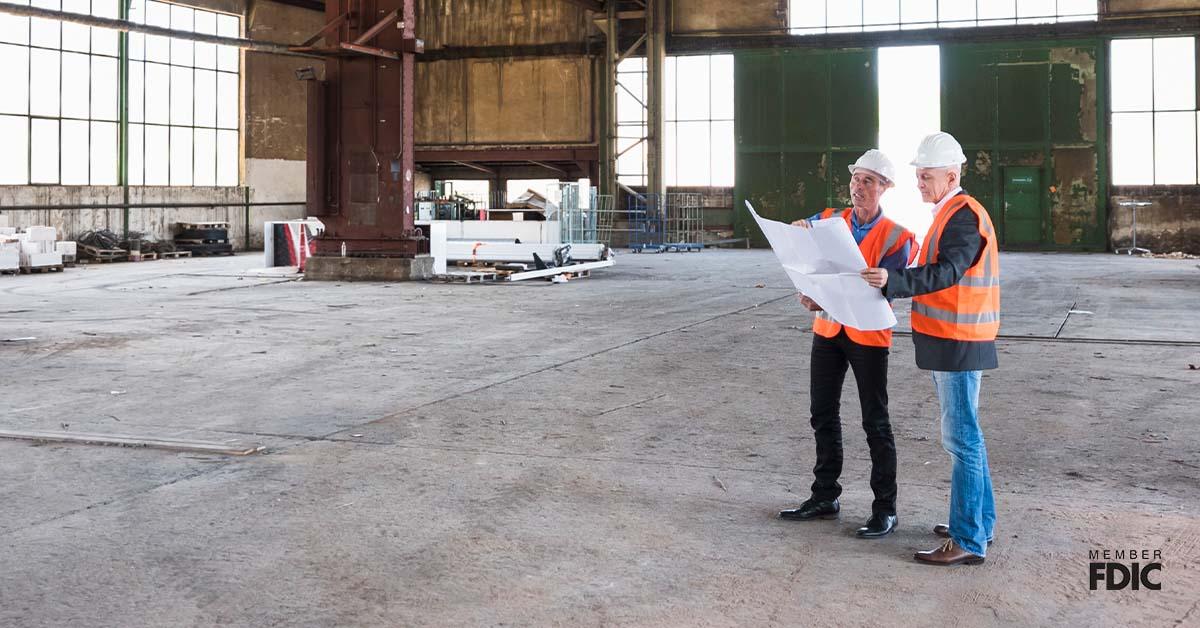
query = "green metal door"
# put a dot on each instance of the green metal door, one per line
(1022, 206)
(801, 117)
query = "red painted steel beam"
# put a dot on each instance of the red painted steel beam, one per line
(509, 155)
(325, 30)
(370, 33)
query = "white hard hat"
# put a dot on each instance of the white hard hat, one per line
(877, 162)
(939, 150)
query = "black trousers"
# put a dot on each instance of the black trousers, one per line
(830, 357)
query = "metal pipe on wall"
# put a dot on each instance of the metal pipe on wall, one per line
(131, 27)
(51, 207)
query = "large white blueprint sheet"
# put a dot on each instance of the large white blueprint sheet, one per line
(823, 262)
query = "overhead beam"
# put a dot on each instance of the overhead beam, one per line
(568, 49)
(506, 155)
(131, 27)
(549, 167)
(591, 5)
(311, 5)
(476, 167)
(1109, 26)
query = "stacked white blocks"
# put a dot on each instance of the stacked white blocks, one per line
(10, 246)
(38, 247)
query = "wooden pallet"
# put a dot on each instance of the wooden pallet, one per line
(103, 255)
(216, 224)
(206, 253)
(56, 268)
(466, 277)
(174, 254)
(143, 257)
(205, 249)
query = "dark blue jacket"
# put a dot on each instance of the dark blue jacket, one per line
(959, 248)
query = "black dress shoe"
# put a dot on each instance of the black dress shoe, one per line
(812, 509)
(878, 525)
(943, 531)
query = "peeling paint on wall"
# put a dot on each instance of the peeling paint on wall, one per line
(495, 101)
(1073, 196)
(1170, 223)
(442, 23)
(1082, 63)
(701, 16)
(983, 163)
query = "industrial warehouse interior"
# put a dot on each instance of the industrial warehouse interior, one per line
(600, 312)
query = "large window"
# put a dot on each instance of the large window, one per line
(809, 17)
(631, 121)
(183, 99)
(59, 108)
(1154, 115)
(698, 106)
(698, 139)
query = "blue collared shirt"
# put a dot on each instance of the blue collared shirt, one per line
(895, 261)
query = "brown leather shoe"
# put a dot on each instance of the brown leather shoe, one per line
(943, 530)
(949, 554)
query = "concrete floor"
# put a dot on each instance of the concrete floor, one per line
(608, 451)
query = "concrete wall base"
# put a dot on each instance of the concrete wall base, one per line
(368, 268)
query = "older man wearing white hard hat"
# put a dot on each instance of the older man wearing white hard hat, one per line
(955, 288)
(837, 347)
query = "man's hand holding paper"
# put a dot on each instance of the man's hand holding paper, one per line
(824, 263)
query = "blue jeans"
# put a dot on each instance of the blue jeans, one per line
(972, 506)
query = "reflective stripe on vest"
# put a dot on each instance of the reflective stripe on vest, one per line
(884, 238)
(951, 316)
(970, 309)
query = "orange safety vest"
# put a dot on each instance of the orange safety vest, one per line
(884, 239)
(970, 309)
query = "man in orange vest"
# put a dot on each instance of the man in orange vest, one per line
(836, 347)
(955, 289)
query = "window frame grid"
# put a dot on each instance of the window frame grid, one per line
(121, 120)
(671, 120)
(936, 23)
(90, 119)
(216, 128)
(642, 126)
(673, 117)
(1153, 111)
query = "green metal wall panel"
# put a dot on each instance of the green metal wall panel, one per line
(968, 108)
(854, 95)
(760, 175)
(756, 121)
(792, 158)
(803, 179)
(1032, 104)
(804, 79)
(1021, 101)
(803, 115)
